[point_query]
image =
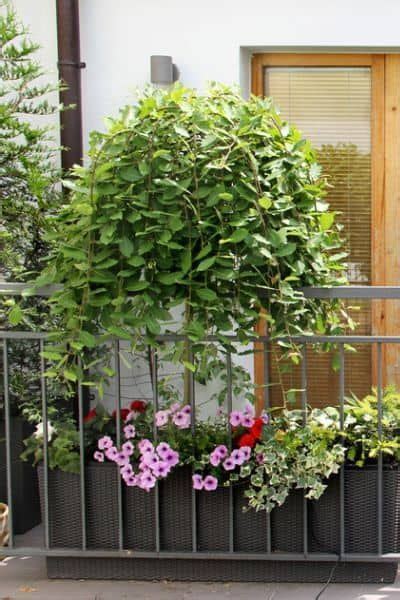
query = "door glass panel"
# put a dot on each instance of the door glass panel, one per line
(332, 108)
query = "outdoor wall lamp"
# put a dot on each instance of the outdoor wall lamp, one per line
(162, 70)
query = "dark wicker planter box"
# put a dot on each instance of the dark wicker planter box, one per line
(24, 478)
(175, 494)
(360, 510)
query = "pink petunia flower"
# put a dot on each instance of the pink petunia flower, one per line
(210, 483)
(171, 457)
(129, 432)
(181, 420)
(131, 480)
(197, 482)
(145, 446)
(187, 410)
(162, 449)
(229, 464)
(147, 481)
(126, 470)
(238, 457)
(247, 421)
(127, 448)
(175, 407)
(162, 417)
(249, 410)
(260, 458)
(161, 469)
(222, 451)
(105, 442)
(215, 459)
(265, 418)
(112, 453)
(99, 456)
(246, 452)
(235, 418)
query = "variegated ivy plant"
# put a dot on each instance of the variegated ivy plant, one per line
(207, 202)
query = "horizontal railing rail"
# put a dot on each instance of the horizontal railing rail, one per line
(376, 341)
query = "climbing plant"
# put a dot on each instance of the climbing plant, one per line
(206, 205)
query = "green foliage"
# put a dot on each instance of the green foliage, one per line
(361, 427)
(294, 455)
(27, 171)
(202, 201)
(28, 194)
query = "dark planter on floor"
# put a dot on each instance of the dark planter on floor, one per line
(26, 506)
(360, 510)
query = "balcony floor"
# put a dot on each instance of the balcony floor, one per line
(24, 578)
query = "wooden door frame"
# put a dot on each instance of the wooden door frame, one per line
(385, 185)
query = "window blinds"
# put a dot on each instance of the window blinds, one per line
(332, 108)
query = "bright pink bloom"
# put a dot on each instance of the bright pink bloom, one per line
(105, 442)
(162, 417)
(215, 459)
(129, 432)
(131, 480)
(221, 451)
(161, 469)
(162, 449)
(247, 421)
(197, 482)
(171, 457)
(235, 418)
(210, 483)
(229, 464)
(112, 453)
(186, 409)
(181, 420)
(99, 456)
(175, 407)
(238, 457)
(246, 452)
(127, 448)
(145, 446)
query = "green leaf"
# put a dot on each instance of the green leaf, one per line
(126, 247)
(326, 220)
(206, 264)
(190, 366)
(286, 250)
(137, 286)
(87, 339)
(169, 278)
(186, 261)
(265, 202)
(206, 294)
(16, 315)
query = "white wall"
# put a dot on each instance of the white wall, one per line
(39, 16)
(205, 38)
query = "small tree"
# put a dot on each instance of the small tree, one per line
(28, 194)
(27, 168)
(209, 202)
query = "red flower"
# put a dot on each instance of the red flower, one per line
(247, 439)
(256, 430)
(138, 406)
(124, 413)
(90, 416)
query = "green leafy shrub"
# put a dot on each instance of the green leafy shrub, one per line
(361, 427)
(207, 202)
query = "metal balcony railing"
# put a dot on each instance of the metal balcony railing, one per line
(17, 547)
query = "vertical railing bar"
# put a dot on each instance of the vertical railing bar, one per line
(45, 445)
(267, 404)
(192, 401)
(117, 377)
(341, 477)
(82, 464)
(8, 444)
(304, 393)
(229, 408)
(154, 360)
(380, 458)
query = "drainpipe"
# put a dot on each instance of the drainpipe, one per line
(70, 65)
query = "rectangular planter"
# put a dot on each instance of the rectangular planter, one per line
(360, 512)
(26, 506)
(249, 529)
